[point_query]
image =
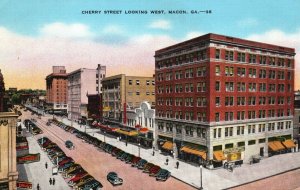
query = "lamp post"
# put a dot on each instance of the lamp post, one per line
(139, 148)
(201, 188)
(104, 135)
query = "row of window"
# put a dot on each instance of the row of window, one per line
(137, 82)
(252, 73)
(250, 129)
(139, 93)
(228, 116)
(189, 130)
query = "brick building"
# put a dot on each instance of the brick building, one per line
(223, 98)
(56, 95)
(94, 106)
(121, 89)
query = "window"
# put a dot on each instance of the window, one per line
(272, 74)
(261, 141)
(271, 100)
(272, 87)
(217, 56)
(168, 76)
(201, 71)
(229, 86)
(228, 131)
(252, 58)
(201, 116)
(280, 75)
(261, 128)
(201, 132)
(189, 73)
(241, 72)
(129, 93)
(289, 75)
(262, 87)
(217, 117)
(201, 101)
(252, 87)
(201, 87)
(271, 126)
(241, 101)
(241, 87)
(251, 129)
(229, 55)
(241, 144)
(130, 82)
(263, 60)
(137, 93)
(189, 130)
(178, 75)
(262, 73)
(178, 129)
(229, 101)
(262, 100)
(218, 86)
(272, 61)
(147, 93)
(240, 130)
(241, 57)
(251, 142)
(228, 116)
(261, 113)
(252, 73)
(217, 70)
(218, 102)
(148, 82)
(137, 82)
(251, 100)
(240, 115)
(288, 63)
(229, 71)
(153, 82)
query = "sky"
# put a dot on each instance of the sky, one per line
(36, 35)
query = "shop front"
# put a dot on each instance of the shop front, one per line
(193, 153)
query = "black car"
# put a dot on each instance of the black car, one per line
(69, 144)
(141, 163)
(163, 175)
(113, 178)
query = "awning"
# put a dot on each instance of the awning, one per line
(144, 130)
(168, 145)
(276, 146)
(194, 151)
(219, 156)
(289, 143)
(128, 133)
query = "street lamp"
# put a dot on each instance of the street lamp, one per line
(104, 135)
(201, 188)
(139, 148)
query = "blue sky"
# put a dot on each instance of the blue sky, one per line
(37, 34)
(230, 17)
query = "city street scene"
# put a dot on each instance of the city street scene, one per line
(140, 95)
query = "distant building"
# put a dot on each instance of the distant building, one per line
(120, 90)
(2, 92)
(81, 83)
(296, 132)
(224, 98)
(8, 165)
(56, 86)
(95, 106)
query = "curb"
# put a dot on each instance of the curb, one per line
(293, 169)
(194, 186)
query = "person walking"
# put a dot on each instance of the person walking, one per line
(177, 164)
(167, 161)
(38, 186)
(46, 165)
(50, 181)
(53, 181)
(153, 153)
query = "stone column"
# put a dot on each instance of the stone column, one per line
(175, 151)
(266, 148)
(12, 165)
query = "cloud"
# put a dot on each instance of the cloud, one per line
(113, 29)
(26, 59)
(160, 24)
(247, 22)
(70, 31)
(281, 38)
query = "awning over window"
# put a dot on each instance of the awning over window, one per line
(219, 156)
(276, 146)
(128, 133)
(289, 143)
(168, 145)
(143, 130)
(197, 152)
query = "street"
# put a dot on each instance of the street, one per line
(98, 163)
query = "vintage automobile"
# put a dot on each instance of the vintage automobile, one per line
(147, 167)
(129, 158)
(66, 166)
(135, 161)
(77, 177)
(163, 175)
(73, 172)
(113, 178)
(154, 170)
(82, 183)
(124, 156)
(69, 144)
(120, 154)
(92, 184)
(141, 164)
(65, 160)
(115, 151)
(80, 180)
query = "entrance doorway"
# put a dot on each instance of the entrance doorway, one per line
(261, 151)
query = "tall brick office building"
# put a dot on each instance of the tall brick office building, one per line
(223, 98)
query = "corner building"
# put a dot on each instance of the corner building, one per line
(220, 98)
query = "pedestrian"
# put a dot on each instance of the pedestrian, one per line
(153, 153)
(38, 186)
(53, 181)
(126, 143)
(167, 160)
(46, 165)
(50, 181)
(177, 164)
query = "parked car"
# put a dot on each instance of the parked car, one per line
(67, 166)
(120, 154)
(135, 161)
(147, 167)
(92, 184)
(115, 151)
(141, 164)
(163, 175)
(77, 177)
(129, 158)
(82, 183)
(69, 144)
(114, 179)
(154, 170)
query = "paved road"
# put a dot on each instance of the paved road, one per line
(99, 163)
(287, 181)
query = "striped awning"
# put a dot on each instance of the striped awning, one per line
(289, 143)
(168, 145)
(128, 133)
(219, 156)
(197, 152)
(276, 146)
